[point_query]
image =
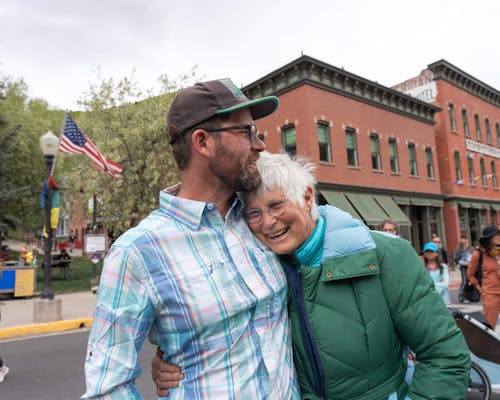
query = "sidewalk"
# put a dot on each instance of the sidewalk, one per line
(17, 313)
(78, 309)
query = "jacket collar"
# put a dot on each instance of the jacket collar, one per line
(349, 249)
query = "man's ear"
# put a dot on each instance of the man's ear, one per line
(201, 142)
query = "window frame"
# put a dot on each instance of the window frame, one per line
(393, 158)
(412, 159)
(325, 125)
(494, 179)
(477, 127)
(458, 167)
(465, 122)
(429, 163)
(482, 170)
(470, 166)
(376, 160)
(451, 115)
(287, 130)
(354, 151)
(488, 130)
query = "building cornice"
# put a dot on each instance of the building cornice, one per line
(308, 71)
(442, 69)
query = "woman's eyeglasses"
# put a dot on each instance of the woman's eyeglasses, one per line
(274, 209)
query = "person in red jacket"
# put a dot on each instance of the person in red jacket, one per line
(489, 245)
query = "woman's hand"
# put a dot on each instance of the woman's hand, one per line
(164, 375)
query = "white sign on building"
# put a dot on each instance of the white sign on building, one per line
(482, 148)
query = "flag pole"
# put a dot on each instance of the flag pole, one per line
(60, 134)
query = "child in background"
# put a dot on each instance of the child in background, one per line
(437, 270)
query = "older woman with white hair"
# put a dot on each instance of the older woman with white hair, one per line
(359, 298)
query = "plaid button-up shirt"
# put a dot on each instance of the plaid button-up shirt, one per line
(208, 293)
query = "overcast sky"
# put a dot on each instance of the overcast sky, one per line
(57, 46)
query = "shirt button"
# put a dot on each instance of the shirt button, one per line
(329, 274)
(372, 267)
(210, 206)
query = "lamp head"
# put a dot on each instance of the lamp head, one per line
(49, 143)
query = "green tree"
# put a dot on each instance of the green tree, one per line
(22, 170)
(130, 131)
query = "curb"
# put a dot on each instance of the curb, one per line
(35, 329)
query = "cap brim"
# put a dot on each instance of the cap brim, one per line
(259, 108)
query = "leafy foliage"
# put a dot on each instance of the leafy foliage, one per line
(130, 131)
(22, 170)
(127, 126)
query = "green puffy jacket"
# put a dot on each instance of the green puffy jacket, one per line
(353, 315)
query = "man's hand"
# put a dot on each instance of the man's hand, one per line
(164, 375)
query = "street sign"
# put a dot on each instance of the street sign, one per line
(95, 243)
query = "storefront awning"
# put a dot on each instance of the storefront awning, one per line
(496, 207)
(464, 204)
(418, 201)
(404, 201)
(392, 209)
(436, 202)
(367, 207)
(338, 200)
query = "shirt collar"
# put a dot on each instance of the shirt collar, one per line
(191, 212)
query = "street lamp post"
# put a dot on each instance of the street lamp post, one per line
(49, 143)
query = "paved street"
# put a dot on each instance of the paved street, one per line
(50, 367)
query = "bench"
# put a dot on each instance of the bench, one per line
(63, 265)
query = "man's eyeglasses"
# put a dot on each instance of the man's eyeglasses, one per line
(251, 131)
(274, 209)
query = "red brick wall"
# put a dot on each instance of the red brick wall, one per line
(305, 105)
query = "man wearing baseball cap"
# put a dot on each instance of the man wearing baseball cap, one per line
(191, 276)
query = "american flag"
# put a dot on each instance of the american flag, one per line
(73, 140)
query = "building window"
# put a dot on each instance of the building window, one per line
(458, 168)
(375, 151)
(465, 122)
(324, 141)
(393, 155)
(488, 130)
(497, 127)
(289, 139)
(352, 151)
(451, 112)
(477, 127)
(428, 162)
(412, 158)
(494, 174)
(482, 166)
(470, 164)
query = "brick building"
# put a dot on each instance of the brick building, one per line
(468, 147)
(374, 146)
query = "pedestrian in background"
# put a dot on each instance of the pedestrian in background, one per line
(443, 253)
(462, 257)
(4, 370)
(489, 246)
(389, 226)
(72, 240)
(437, 269)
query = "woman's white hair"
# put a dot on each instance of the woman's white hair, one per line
(291, 176)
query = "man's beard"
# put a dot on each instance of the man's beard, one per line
(230, 172)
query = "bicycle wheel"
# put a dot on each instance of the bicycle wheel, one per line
(479, 384)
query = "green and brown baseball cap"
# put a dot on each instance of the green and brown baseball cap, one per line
(204, 100)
